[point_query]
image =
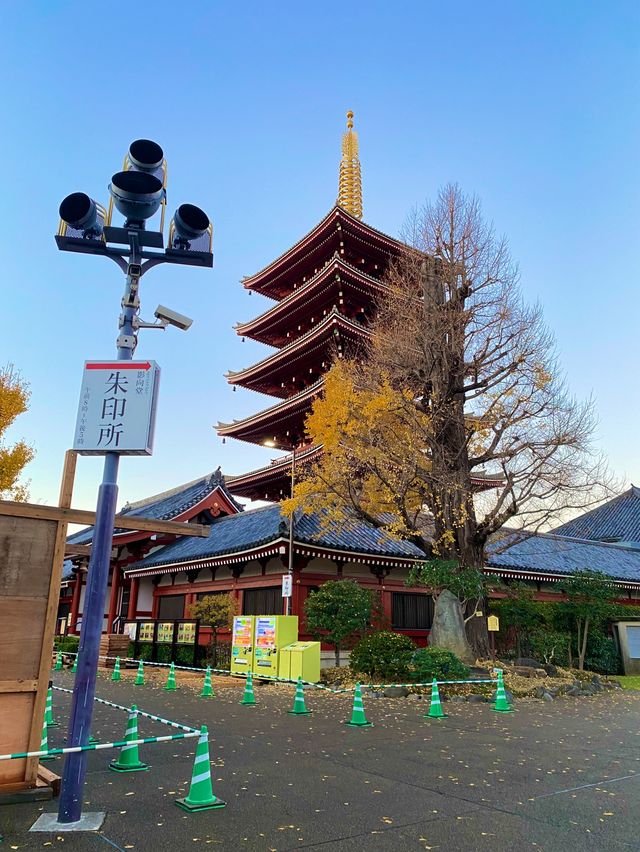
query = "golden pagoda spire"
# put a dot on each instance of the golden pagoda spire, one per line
(350, 185)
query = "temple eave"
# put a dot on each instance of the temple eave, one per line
(338, 224)
(300, 354)
(336, 283)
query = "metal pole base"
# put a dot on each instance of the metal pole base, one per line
(88, 822)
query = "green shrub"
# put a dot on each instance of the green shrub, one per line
(602, 655)
(164, 653)
(550, 646)
(184, 655)
(145, 651)
(67, 644)
(383, 654)
(428, 663)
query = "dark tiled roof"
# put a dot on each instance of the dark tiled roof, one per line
(169, 504)
(257, 527)
(617, 520)
(554, 554)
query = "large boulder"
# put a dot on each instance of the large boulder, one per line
(447, 630)
(396, 692)
(528, 671)
(527, 661)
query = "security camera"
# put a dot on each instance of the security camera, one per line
(170, 317)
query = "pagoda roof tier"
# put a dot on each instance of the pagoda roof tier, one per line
(339, 231)
(296, 313)
(272, 482)
(277, 426)
(297, 365)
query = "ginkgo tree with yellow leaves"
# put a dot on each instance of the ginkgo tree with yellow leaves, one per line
(14, 401)
(457, 418)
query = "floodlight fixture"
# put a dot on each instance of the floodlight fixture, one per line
(144, 156)
(188, 224)
(82, 214)
(137, 195)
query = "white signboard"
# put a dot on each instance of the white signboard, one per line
(286, 585)
(117, 408)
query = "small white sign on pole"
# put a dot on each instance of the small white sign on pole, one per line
(287, 585)
(117, 410)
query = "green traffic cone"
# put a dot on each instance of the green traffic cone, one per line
(207, 689)
(58, 665)
(116, 670)
(358, 719)
(502, 702)
(93, 740)
(248, 697)
(48, 710)
(44, 742)
(171, 678)
(74, 667)
(200, 796)
(139, 681)
(299, 708)
(435, 709)
(129, 761)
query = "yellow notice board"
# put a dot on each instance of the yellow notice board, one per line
(187, 633)
(165, 631)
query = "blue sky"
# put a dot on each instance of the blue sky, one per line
(532, 105)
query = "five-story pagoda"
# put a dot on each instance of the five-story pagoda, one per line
(324, 290)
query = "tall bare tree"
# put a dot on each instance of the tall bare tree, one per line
(469, 394)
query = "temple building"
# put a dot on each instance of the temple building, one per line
(323, 294)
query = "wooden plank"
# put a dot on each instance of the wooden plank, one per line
(21, 625)
(15, 723)
(68, 479)
(20, 685)
(51, 614)
(82, 516)
(25, 552)
(77, 549)
(49, 778)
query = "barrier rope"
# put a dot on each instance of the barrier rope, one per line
(139, 712)
(97, 746)
(276, 679)
(407, 685)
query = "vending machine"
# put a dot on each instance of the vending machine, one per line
(242, 644)
(271, 634)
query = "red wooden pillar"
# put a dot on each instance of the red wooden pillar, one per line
(133, 599)
(113, 600)
(75, 603)
(188, 601)
(387, 605)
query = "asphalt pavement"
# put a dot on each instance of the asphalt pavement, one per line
(550, 776)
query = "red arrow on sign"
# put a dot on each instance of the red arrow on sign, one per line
(119, 365)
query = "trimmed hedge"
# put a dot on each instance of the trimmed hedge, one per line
(429, 663)
(384, 655)
(66, 644)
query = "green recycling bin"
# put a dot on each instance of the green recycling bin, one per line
(300, 659)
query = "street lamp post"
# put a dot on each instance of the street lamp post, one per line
(137, 193)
